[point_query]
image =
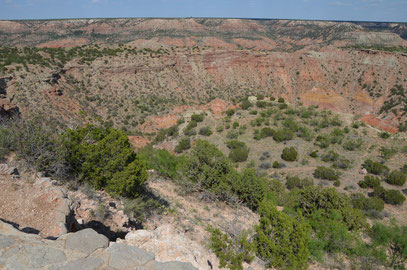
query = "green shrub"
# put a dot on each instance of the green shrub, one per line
(238, 151)
(387, 153)
(104, 158)
(317, 201)
(282, 106)
(230, 112)
(250, 188)
(289, 154)
(205, 131)
(352, 145)
(232, 252)
(232, 134)
(183, 144)
(276, 165)
(359, 201)
(160, 160)
(192, 124)
(261, 104)
(283, 135)
(245, 104)
(330, 156)
(314, 154)
(322, 141)
(326, 173)
(266, 132)
(389, 196)
(219, 129)
(281, 100)
(393, 241)
(375, 167)
(297, 182)
(197, 117)
(281, 240)
(369, 182)
(397, 178)
(384, 135)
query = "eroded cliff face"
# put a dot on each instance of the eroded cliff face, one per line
(206, 59)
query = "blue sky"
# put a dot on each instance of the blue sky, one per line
(361, 10)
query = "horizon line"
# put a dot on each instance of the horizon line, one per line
(224, 18)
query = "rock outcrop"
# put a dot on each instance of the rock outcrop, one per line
(85, 250)
(161, 242)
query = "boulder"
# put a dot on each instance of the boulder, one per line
(85, 241)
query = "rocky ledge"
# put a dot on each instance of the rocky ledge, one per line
(85, 250)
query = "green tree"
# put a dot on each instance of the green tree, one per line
(104, 157)
(281, 240)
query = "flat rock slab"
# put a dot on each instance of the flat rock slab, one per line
(86, 241)
(123, 256)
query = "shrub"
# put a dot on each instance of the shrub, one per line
(322, 141)
(315, 200)
(297, 182)
(265, 166)
(276, 164)
(245, 104)
(387, 153)
(352, 145)
(330, 156)
(219, 129)
(289, 154)
(326, 173)
(205, 131)
(266, 132)
(384, 135)
(314, 154)
(397, 178)
(359, 201)
(105, 158)
(183, 144)
(281, 100)
(283, 135)
(261, 104)
(250, 188)
(393, 240)
(197, 117)
(375, 167)
(238, 151)
(282, 106)
(232, 134)
(281, 240)
(38, 145)
(389, 196)
(369, 182)
(160, 160)
(232, 252)
(230, 112)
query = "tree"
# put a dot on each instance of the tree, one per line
(104, 158)
(397, 178)
(281, 240)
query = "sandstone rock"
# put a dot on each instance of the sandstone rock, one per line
(124, 256)
(139, 237)
(85, 241)
(161, 243)
(363, 171)
(20, 251)
(84, 264)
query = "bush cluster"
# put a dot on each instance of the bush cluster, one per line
(369, 181)
(397, 178)
(375, 167)
(390, 196)
(325, 173)
(361, 202)
(297, 182)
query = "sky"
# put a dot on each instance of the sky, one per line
(348, 10)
